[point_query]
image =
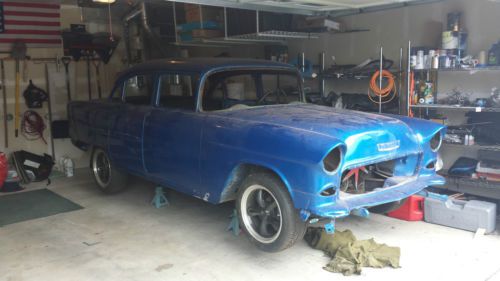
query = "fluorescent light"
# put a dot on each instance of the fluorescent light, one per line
(104, 1)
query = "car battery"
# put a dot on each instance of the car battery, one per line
(411, 210)
(468, 215)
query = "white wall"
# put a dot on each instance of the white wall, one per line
(78, 81)
(392, 29)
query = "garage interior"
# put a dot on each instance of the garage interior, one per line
(437, 60)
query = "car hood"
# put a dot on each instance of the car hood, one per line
(367, 137)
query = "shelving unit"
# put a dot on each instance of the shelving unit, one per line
(475, 146)
(476, 187)
(457, 107)
(276, 37)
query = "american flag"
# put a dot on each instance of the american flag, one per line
(36, 24)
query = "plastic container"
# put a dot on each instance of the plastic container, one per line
(467, 215)
(411, 210)
(3, 168)
(493, 55)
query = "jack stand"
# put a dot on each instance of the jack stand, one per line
(234, 224)
(160, 200)
(361, 212)
(330, 227)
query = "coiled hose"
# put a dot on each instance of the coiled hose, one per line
(386, 94)
(32, 126)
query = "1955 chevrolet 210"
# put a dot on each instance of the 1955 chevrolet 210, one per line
(238, 129)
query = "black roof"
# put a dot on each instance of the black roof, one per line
(201, 65)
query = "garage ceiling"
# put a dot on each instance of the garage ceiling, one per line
(311, 7)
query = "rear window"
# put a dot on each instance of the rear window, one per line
(246, 88)
(139, 89)
(177, 91)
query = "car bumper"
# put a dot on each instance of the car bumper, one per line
(394, 189)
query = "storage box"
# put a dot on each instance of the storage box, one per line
(467, 215)
(411, 210)
(192, 13)
(207, 33)
(318, 23)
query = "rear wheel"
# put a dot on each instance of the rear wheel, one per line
(266, 213)
(108, 179)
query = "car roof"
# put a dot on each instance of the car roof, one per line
(202, 65)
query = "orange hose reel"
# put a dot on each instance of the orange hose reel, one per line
(388, 92)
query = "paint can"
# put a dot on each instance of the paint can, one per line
(450, 40)
(435, 62)
(413, 61)
(420, 60)
(482, 58)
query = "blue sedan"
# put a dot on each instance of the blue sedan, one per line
(238, 129)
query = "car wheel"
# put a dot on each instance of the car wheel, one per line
(388, 207)
(267, 214)
(108, 179)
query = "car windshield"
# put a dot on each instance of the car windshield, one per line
(247, 88)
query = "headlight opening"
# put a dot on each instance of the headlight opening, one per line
(332, 161)
(436, 142)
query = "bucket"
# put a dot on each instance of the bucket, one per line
(450, 40)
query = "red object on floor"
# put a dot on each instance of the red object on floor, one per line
(411, 210)
(3, 168)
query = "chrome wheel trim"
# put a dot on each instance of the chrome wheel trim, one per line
(265, 214)
(101, 167)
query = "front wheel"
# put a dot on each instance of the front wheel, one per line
(108, 178)
(266, 213)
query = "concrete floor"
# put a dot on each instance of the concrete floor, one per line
(122, 237)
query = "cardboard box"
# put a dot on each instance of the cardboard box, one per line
(192, 13)
(207, 33)
(318, 23)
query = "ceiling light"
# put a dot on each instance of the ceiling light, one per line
(104, 1)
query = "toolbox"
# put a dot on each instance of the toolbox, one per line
(411, 210)
(468, 215)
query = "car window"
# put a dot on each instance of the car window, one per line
(281, 88)
(240, 89)
(178, 91)
(116, 96)
(139, 89)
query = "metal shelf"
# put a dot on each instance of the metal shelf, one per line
(477, 187)
(264, 37)
(475, 146)
(472, 70)
(276, 37)
(456, 107)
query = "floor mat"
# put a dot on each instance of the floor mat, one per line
(32, 205)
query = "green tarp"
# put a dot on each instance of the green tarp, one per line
(349, 255)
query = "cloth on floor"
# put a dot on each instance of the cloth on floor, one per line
(349, 255)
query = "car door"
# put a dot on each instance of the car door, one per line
(172, 133)
(126, 133)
